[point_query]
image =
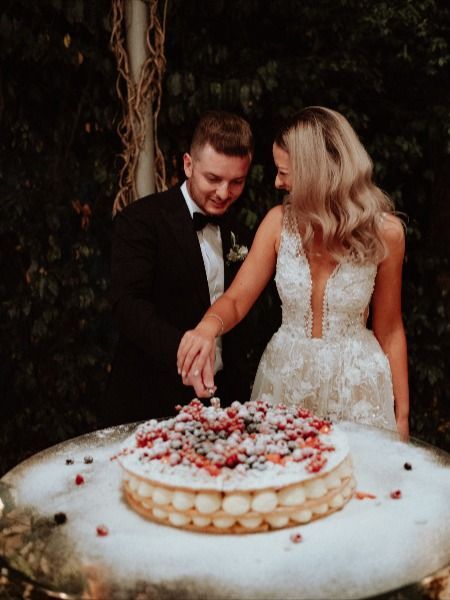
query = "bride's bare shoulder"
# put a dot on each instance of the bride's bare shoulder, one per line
(392, 229)
(275, 215)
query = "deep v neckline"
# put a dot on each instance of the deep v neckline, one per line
(324, 300)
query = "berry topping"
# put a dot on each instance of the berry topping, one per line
(69, 461)
(244, 436)
(296, 538)
(407, 466)
(88, 460)
(79, 479)
(102, 530)
(396, 494)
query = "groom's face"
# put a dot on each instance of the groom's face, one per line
(215, 180)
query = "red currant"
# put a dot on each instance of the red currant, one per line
(102, 530)
(396, 494)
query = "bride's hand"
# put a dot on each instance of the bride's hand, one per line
(200, 346)
(197, 381)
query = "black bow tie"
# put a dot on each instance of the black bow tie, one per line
(200, 220)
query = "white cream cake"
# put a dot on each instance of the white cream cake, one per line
(245, 468)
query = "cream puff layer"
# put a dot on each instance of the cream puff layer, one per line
(245, 511)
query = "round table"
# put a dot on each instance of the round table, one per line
(58, 503)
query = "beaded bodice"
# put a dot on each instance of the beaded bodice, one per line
(346, 294)
(335, 368)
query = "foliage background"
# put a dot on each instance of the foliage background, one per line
(386, 66)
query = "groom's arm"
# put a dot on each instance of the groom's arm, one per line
(133, 262)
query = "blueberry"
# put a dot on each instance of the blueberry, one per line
(253, 428)
(60, 518)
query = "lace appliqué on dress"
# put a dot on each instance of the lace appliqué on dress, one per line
(343, 375)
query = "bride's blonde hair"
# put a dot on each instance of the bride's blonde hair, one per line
(332, 187)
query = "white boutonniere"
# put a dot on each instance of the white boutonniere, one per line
(237, 252)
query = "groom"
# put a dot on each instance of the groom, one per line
(169, 264)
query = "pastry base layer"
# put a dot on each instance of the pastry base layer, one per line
(317, 498)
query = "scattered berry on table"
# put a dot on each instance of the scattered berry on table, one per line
(396, 494)
(60, 518)
(102, 530)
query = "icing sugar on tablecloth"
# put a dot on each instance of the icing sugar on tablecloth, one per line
(370, 547)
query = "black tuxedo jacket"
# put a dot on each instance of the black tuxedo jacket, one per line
(158, 291)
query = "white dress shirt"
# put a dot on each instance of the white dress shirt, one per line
(210, 242)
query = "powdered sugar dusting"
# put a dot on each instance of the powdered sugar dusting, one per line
(371, 547)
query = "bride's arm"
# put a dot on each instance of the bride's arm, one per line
(387, 319)
(198, 344)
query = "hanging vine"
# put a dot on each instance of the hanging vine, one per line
(138, 98)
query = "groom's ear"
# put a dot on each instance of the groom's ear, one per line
(187, 164)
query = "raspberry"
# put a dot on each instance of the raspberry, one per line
(79, 479)
(232, 461)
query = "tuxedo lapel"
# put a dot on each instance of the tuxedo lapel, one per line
(225, 233)
(178, 223)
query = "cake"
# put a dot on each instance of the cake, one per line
(245, 468)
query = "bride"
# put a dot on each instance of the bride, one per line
(337, 250)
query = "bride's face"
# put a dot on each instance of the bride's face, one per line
(283, 178)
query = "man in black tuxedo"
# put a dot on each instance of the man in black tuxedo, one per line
(168, 265)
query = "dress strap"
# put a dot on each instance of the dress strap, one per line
(290, 227)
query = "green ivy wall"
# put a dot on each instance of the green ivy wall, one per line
(386, 66)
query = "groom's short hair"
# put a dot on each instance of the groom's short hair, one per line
(226, 132)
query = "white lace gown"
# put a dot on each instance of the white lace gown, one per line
(344, 375)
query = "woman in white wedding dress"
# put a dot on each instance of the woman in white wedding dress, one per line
(337, 249)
